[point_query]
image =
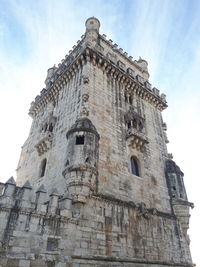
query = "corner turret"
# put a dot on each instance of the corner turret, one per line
(180, 204)
(92, 31)
(92, 24)
(81, 160)
(50, 73)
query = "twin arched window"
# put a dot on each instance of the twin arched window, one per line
(134, 166)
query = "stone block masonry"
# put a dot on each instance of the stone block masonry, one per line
(95, 183)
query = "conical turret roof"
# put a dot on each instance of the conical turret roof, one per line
(27, 185)
(41, 189)
(11, 181)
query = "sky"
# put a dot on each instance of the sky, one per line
(36, 34)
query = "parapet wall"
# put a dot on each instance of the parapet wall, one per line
(41, 230)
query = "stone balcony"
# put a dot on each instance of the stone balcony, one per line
(136, 139)
(45, 142)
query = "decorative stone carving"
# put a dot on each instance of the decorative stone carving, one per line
(85, 80)
(131, 72)
(142, 210)
(45, 143)
(121, 65)
(135, 135)
(85, 97)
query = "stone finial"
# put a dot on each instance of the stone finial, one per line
(25, 195)
(65, 205)
(170, 155)
(54, 192)
(53, 203)
(50, 73)
(11, 181)
(40, 199)
(143, 64)
(156, 91)
(92, 24)
(41, 189)
(27, 185)
(163, 97)
(9, 187)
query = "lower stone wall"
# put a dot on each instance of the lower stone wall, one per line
(88, 263)
(102, 232)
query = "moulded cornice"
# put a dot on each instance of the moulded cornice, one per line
(64, 74)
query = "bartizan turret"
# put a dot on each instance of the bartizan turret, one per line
(178, 197)
(82, 159)
(92, 31)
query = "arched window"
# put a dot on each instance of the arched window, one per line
(126, 98)
(43, 167)
(134, 166)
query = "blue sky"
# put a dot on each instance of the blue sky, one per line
(34, 35)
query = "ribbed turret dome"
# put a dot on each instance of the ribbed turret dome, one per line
(83, 125)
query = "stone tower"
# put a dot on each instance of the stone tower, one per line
(95, 183)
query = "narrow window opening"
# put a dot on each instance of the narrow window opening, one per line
(126, 99)
(43, 167)
(135, 123)
(130, 100)
(87, 160)
(51, 128)
(134, 166)
(129, 125)
(45, 127)
(80, 140)
(140, 125)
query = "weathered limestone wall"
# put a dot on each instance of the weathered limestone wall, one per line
(99, 94)
(107, 111)
(118, 57)
(65, 111)
(102, 232)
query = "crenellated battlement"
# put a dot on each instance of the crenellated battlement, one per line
(101, 57)
(48, 229)
(29, 201)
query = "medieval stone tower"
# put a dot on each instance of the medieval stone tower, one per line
(95, 183)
